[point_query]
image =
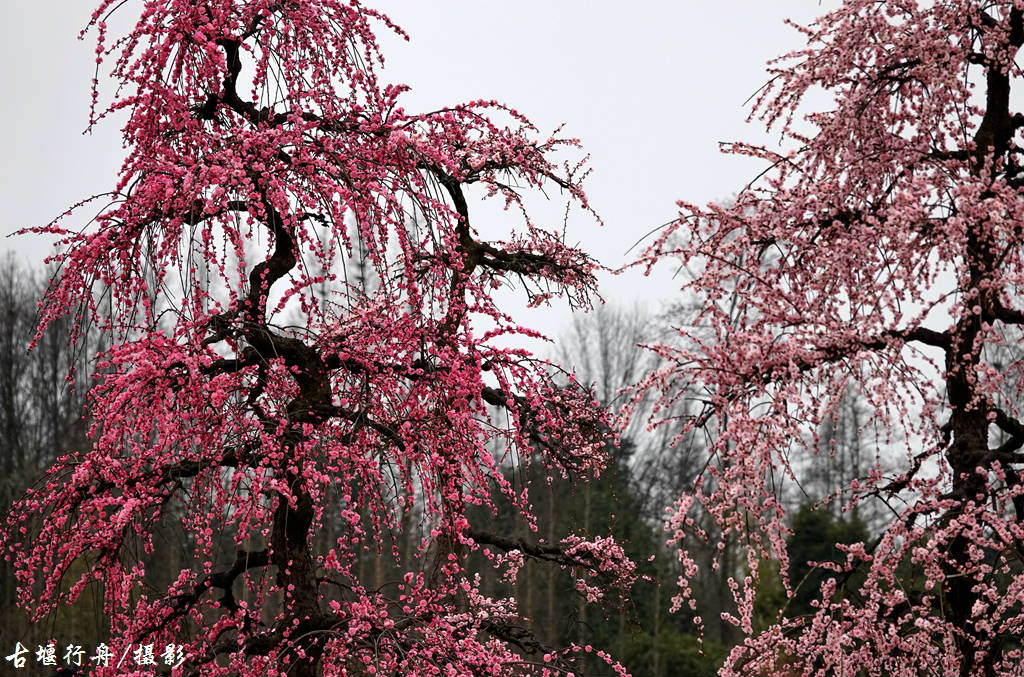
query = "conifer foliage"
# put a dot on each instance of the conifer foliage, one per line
(882, 250)
(263, 151)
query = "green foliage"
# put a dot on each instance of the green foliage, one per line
(816, 531)
(680, 654)
(771, 595)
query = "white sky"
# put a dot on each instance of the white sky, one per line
(650, 87)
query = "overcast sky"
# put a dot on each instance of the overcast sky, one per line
(650, 88)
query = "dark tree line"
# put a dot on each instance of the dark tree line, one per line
(42, 404)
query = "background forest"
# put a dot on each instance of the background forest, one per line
(43, 413)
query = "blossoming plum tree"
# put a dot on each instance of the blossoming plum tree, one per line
(882, 250)
(261, 147)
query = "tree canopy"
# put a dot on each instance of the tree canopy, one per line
(259, 391)
(879, 254)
